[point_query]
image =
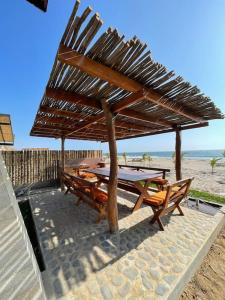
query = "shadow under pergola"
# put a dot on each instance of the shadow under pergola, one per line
(75, 247)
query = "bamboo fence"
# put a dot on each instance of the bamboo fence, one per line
(31, 166)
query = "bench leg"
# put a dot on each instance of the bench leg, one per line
(177, 205)
(67, 191)
(78, 201)
(160, 224)
(102, 214)
(156, 217)
(180, 210)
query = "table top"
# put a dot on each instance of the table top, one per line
(127, 175)
(80, 166)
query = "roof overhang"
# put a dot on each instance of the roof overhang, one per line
(145, 97)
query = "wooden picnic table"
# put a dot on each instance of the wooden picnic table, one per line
(137, 180)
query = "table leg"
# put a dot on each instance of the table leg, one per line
(143, 190)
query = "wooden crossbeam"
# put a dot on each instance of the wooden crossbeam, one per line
(96, 69)
(54, 120)
(50, 135)
(60, 133)
(77, 116)
(127, 101)
(58, 94)
(60, 112)
(123, 124)
(71, 97)
(155, 132)
(87, 123)
(99, 129)
(144, 117)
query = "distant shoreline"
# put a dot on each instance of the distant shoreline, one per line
(188, 154)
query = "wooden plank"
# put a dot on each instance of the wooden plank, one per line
(89, 66)
(86, 124)
(71, 97)
(112, 186)
(58, 94)
(77, 116)
(98, 70)
(125, 102)
(60, 112)
(155, 132)
(144, 117)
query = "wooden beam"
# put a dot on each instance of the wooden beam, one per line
(178, 155)
(123, 124)
(96, 69)
(87, 65)
(60, 112)
(127, 101)
(55, 120)
(71, 97)
(112, 186)
(123, 128)
(144, 117)
(77, 136)
(171, 106)
(76, 116)
(63, 131)
(58, 94)
(73, 138)
(63, 123)
(194, 126)
(86, 124)
(155, 132)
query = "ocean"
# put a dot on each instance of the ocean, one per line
(191, 154)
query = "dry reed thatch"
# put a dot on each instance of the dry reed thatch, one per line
(145, 97)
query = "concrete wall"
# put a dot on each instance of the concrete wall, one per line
(20, 277)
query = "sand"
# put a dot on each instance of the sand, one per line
(199, 169)
(209, 281)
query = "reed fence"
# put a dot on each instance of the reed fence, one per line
(31, 166)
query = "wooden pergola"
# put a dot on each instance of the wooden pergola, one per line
(107, 89)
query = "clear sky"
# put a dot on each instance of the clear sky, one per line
(186, 36)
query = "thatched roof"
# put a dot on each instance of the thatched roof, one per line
(145, 97)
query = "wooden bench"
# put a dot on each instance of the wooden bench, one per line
(74, 166)
(167, 201)
(87, 192)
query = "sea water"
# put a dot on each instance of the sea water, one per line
(189, 154)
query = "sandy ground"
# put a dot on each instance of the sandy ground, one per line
(209, 282)
(199, 169)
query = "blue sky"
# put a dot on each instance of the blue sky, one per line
(186, 36)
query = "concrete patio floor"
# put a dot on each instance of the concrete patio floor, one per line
(83, 261)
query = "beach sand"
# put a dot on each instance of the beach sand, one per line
(209, 281)
(200, 169)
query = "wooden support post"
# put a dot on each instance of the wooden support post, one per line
(112, 185)
(62, 161)
(178, 154)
